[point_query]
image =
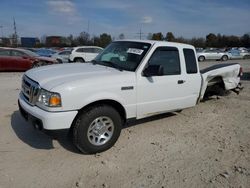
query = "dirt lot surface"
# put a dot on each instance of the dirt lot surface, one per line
(204, 146)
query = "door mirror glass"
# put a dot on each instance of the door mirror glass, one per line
(153, 70)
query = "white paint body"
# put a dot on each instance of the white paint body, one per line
(83, 84)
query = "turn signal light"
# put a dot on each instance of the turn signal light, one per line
(55, 100)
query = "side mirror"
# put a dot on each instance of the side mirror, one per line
(153, 70)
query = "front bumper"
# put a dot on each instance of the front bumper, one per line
(44, 119)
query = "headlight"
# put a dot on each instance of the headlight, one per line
(50, 99)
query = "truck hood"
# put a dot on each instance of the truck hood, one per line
(52, 76)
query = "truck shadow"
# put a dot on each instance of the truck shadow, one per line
(38, 139)
(246, 76)
(135, 122)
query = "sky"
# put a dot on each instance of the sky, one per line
(187, 18)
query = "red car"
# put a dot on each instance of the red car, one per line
(15, 59)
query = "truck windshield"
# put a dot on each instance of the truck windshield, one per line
(123, 55)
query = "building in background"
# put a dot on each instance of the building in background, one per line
(57, 41)
(29, 42)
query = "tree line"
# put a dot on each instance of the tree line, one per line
(211, 40)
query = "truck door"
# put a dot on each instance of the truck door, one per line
(168, 92)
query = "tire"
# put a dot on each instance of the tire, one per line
(79, 60)
(36, 64)
(246, 57)
(59, 61)
(224, 58)
(201, 58)
(96, 129)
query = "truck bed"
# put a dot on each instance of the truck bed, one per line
(226, 74)
(221, 65)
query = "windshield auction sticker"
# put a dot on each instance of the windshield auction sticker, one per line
(135, 51)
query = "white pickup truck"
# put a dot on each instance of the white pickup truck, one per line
(129, 79)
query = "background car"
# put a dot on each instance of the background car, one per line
(45, 52)
(238, 54)
(84, 53)
(212, 54)
(14, 59)
(62, 57)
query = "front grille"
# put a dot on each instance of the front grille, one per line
(30, 90)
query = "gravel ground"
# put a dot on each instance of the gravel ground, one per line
(204, 146)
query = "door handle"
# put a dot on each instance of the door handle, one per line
(181, 81)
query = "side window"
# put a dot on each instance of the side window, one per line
(168, 58)
(64, 53)
(79, 50)
(88, 50)
(190, 60)
(67, 52)
(61, 53)
(17, 53)
(4, 53)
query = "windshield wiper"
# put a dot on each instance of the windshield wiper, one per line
(113, 65)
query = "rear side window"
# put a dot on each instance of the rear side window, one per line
(4, 52)
(17, 53)
(88, 50)
(168, 58)
(190, 60)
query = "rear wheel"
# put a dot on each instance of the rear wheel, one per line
(79, 60)
(96, 129)
(201, 58)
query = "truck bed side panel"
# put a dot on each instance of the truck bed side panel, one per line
(228, 72)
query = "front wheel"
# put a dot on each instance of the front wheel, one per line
(96, 129)
(79, 60)
(59, 61)
(224, 58)
(37, 64)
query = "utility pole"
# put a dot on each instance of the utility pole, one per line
(140, 34)
(1, 30)
(88, 27)
(15, 34)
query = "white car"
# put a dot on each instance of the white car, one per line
(62, 56)
(84, 53)
(130, 79)
(212, 54)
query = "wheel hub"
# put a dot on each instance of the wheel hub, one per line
(100, 131)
